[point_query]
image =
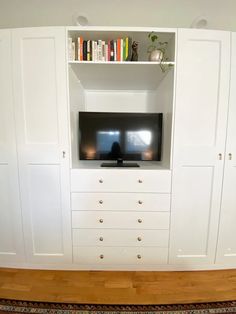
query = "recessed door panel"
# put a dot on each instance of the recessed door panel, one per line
(202, 89)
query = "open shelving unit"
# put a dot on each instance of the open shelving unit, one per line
(123, 86)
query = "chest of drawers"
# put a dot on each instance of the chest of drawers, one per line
(120, 217)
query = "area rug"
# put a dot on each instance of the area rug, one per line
(14, 306)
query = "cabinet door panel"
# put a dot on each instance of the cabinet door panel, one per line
(226, 252)
(200, 130)
(11, 235)
(42, 134)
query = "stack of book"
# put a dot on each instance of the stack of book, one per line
(99, 50)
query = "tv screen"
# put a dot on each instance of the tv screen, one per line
(110, 136)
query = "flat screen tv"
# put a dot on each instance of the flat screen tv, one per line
(120, 136)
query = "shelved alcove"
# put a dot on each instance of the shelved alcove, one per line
(123, 86)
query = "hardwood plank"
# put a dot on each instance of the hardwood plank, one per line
(119, 287)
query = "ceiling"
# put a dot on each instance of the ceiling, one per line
(159, 13)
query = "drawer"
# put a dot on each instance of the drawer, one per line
(120, 255)
(107, 237)
(121, 220)
(120, 201)
(120, 180)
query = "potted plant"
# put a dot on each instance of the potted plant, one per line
(157, 50)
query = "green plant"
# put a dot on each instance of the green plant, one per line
(158, 45)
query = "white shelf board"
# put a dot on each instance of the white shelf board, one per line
(118, 75)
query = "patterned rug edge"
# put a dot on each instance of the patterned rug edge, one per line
(17, 306)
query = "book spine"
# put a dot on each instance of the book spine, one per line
(85, 50)
(112, 50)
(103, 51)
(70, 49)
(118, 57)
(99, 50)
(88, 51)
(121, 49)
(115, 50)
(73, 51)
(106, 52)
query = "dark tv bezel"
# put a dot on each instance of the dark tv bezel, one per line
(159, 116)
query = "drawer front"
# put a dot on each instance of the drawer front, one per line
(120, 201)
(107, 237)
(120, 255)
(120, 180)
(121, 220)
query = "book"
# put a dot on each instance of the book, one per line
(80, 48)
(128, 48)
(85, 50)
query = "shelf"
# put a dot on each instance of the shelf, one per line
(142, 75)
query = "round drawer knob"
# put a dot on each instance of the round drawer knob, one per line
(101, 202)
(101, 221)
(140, 202)
(140, 221)
(101, 239)
(140, 181)
(100, 181)
(139, 256)
(139, 239)
(101, 256)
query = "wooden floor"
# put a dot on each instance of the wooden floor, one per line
(118, 287)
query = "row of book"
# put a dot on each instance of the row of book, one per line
(100, 50)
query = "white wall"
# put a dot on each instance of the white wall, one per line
(160, 13)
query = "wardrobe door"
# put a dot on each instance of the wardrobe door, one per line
(42, 135)
(226, 252)
(202, 87)
(11, 234)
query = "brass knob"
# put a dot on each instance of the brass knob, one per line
(101, 202)
(139, 238)
(100, 181)
(140, 202)
(140, 181)
(101, 239)
(140, 221)
(230, 156)
(101, 221)
(101, 256)
(220, 156)
(139, 256)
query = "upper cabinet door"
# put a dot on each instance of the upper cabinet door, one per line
(202, 88)
(42, 135)
(226, 252)
(11, 234)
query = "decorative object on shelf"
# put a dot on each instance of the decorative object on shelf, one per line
(134, 56)
(157, 51)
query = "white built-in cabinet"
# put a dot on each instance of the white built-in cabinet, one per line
(11, 232)
(199, 144)
(58, 211)
(226, 250)
(39, 75)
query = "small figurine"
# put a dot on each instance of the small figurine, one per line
(134, 56)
